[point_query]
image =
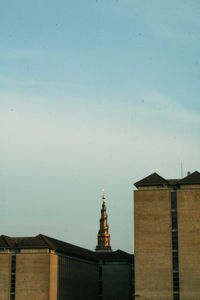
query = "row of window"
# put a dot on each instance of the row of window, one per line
(13, 276)
(175, 246)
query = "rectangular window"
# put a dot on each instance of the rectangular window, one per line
(100, 287)
(100, 272)
(173, 201)
(100, 297)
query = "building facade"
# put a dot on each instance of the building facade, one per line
(45, 268)
(167, 238)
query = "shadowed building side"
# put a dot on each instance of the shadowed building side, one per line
(116, 275)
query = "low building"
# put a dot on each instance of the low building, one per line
(45, 268)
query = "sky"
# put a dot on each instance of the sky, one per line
(94, 95)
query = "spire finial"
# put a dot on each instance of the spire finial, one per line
(104, 197)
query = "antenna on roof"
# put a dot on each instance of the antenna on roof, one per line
(181, 169)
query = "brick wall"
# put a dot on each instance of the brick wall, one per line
(32, 276)
(5, 275)
(153, 246)
(189, 243)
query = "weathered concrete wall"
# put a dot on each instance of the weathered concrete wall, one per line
(78, 279)
(5, 275)
(32, 276)
(153, 246)
(189, 243)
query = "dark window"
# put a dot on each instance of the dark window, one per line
(100, 288)
(175, 245)
(100, 283)
(100, 272)
(175, 275)
(174, 236)
(173, 201)
(13, 268)
(175, 264)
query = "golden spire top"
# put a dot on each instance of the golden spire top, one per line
(103, 237)
(104, 197)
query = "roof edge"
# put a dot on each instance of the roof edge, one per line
(193, 178)
(153, 179)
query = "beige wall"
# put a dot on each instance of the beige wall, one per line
(189, 243)
(36, 275)
(53, 277)
(32, 276)
(153, 249)
(5, 266)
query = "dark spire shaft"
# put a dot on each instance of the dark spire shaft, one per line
(103, 237)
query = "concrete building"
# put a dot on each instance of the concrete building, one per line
(167, 238)
(45, 268)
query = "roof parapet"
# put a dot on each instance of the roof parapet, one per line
(156, 180)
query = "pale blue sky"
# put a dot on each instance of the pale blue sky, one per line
(93, 95)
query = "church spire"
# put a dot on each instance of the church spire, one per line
(103, 237)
